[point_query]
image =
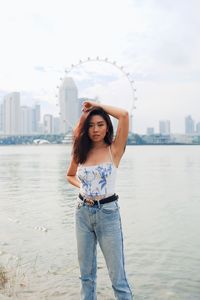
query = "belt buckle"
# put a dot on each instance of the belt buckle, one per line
(90, 202)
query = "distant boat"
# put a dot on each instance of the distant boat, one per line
(40, 142)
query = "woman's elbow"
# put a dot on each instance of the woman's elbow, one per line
(68, 177)
(125, 114)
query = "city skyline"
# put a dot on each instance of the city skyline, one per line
(33, 121)
(156, 41)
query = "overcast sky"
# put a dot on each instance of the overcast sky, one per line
(157, 41)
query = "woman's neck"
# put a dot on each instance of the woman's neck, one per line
(99, 145)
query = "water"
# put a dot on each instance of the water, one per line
(159, 188)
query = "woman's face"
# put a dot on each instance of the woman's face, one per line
(97, 128)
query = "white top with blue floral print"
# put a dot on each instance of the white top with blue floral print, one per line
(97, 180)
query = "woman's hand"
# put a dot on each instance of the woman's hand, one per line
(81, 121)
(84, 115)
(88, 105)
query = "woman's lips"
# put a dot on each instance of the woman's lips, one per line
(96, 135)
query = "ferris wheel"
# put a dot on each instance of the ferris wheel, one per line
(125, 74)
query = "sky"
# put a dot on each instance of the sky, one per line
(157, 42)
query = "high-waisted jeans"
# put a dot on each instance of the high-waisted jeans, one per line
(102, 224)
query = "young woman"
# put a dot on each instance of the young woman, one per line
(93, 169)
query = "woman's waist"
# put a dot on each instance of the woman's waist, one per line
(95, 197)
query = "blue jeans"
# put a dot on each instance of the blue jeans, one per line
(102, 224)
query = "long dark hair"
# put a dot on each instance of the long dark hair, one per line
(82, 142)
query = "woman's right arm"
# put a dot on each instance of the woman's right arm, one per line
(71, 174)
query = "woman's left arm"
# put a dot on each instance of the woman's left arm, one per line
(120, 140)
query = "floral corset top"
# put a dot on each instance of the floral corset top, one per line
(97, 180)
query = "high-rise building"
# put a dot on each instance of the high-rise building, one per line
(69, 105)
(1, 118)
(150, 131)
(11, 113)
(189, 125)
(48, 124)
(40, 128)
(26, 120)
(164, 127)
(198, 128)
(56, 125)
(36, 118)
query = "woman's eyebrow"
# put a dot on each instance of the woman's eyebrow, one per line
(99, 122)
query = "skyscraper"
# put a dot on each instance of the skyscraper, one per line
(26, 120)
(56, 125)
(1, 118)
(198, 128)
(69, 105)
(150, 130)
(11, 112)
(36, 118)
(164, 127)
(189, 125)
(48, 124)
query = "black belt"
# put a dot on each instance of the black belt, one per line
(114, 197)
